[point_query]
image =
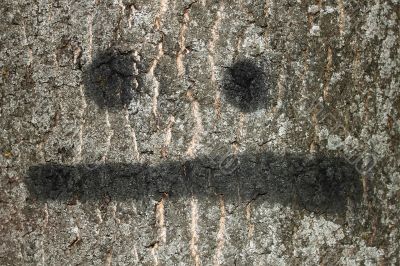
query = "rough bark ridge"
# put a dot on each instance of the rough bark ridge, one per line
(206, 132)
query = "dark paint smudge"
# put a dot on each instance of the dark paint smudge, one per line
(318, 183)
(245, 85)
(111, 80)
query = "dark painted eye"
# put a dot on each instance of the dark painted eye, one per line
(110, 79)
(244, 85)
(243, 73)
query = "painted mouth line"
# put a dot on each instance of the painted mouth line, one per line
(318, 183)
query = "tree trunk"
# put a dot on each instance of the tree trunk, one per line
(195, 133)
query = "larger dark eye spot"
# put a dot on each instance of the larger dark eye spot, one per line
(244, 85)
(111, 80)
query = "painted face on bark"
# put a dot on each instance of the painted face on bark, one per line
(319, 183)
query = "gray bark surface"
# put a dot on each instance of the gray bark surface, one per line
(199, 132)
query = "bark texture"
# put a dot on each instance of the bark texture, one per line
(252, 132)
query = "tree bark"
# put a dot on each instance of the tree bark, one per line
(194, 133)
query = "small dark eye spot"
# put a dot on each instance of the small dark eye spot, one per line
(111, 80)
(245, 86)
